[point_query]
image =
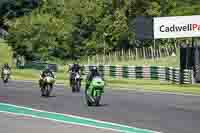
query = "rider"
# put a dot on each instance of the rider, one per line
(44, 73)
(75, 68)
(93, 72)
(5, 66)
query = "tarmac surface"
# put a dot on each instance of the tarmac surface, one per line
(18, 124)
(166, 113)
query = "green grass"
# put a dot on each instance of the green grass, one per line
(147, 85)
(154, 85)
(34, 74)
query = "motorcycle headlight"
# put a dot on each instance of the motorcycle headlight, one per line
(77, 76)
(6, 71)
(49, 79)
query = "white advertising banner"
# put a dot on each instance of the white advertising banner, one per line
(177, 27)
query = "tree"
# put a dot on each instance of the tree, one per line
(69, 28)
(37, 34)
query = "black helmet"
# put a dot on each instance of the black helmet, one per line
(6, 65)
(94, 69)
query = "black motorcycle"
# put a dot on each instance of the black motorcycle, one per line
(76, 82)
(6, 75)
(47, 87)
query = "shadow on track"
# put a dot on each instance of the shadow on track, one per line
(101, 105)
(53, 96)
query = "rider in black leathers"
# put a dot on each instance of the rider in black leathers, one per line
(93, 72)
(5, 66)
(75, 68)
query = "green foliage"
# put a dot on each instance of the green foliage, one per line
(5, 53)
(39, 35)
(69, 28)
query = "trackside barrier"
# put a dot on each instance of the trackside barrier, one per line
(161, 73)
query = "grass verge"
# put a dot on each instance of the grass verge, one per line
(154, 85)
(147, 85)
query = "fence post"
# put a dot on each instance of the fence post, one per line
(144, 54)
(101, 70)
(192, 76)
(181, 76)
(152, 52)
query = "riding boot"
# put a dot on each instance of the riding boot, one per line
(42, 88)
(70, 82)
(40, 83)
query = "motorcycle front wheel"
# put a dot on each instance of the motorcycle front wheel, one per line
(73, 85)
(89, 103)
(42, 91)
(73, 88)
(48, 90)
(78, 86)
(5, 79)
(97, 100)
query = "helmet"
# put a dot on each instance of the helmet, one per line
(6, 65)
(94, 69)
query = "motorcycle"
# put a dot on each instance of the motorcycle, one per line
(47, 85)
(94, 92)
(76, 82)
(6, 75)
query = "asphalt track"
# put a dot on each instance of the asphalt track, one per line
(18, 124)
(166, 113)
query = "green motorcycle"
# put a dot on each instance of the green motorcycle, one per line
(95, 90)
